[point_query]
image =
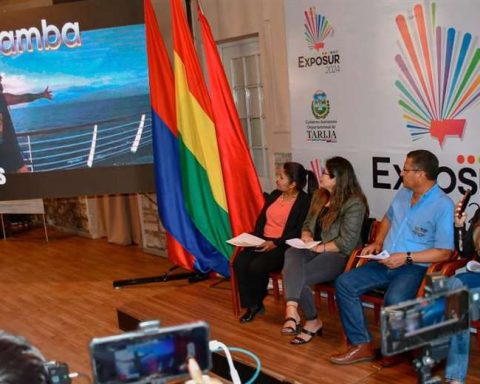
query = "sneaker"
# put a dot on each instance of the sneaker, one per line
(473, 266)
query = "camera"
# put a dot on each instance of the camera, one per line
(416, 323)
(151, 354)
(57, 372)
(429, 323)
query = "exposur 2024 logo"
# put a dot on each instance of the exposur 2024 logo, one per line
(317, 29)
(439, 69)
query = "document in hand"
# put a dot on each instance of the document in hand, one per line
(379, 256)
(300, 244)
(246, 240)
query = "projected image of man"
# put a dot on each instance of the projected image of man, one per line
(11, 159)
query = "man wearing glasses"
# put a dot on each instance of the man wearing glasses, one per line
(416, 230)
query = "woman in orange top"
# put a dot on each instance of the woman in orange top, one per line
(281, 219)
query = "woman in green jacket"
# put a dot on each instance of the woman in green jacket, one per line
(335, 218)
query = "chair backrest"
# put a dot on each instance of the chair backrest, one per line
(369, 230)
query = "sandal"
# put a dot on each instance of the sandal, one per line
(289, 331)
(297, 340)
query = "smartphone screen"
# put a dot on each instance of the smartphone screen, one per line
(160, 354)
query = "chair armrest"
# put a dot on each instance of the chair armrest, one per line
(353, 260)
(446, 268)
(450, 267)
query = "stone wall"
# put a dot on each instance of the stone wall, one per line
(68, 215)
(154, 236)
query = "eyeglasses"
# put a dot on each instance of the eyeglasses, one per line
(325, 172)
(411, 170)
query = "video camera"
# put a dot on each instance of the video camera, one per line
(429, 322)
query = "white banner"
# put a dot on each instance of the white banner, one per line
(33, 206)
(373, 80)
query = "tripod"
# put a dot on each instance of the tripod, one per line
(431, 354)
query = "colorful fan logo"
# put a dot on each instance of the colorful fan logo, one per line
(317, 28)
(439, 76)
(320, 105)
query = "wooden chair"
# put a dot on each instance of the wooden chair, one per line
(369, 231)
(233, 284)
(276, 278)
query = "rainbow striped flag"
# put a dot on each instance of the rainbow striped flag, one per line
(242, 187)
(207, 187)
(190, 194)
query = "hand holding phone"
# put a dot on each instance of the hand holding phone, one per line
(465, 201)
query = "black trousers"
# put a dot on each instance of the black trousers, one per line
(252, 271)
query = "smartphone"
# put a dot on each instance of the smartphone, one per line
(154, 354)
(465, 201)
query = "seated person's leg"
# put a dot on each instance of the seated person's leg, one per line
(457, 360)
(259, 269)
(349, 287)
(293, 282)
(404, 284)
(470, 279)
(240, 267)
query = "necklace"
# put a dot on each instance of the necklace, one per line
(284, 199)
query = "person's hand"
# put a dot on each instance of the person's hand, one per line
(47, 94)
(320, 248)
(196, 374)
(307, 236)
(394, 261)
(371, 249)
(266, 246)
(459, 219)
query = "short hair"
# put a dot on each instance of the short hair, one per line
(426, 161)
(20, 362)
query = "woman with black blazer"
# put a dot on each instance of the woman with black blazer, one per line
(281, 219)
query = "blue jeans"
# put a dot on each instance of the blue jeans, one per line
(457, 360)
(401, 283)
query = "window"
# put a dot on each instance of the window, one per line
(241, 60)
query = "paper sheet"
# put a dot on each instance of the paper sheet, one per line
(300, 244)
(246, 240)
(379, 256)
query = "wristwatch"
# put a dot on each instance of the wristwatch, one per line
(409, 259)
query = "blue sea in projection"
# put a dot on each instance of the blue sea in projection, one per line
(72, 115)
(104, 82)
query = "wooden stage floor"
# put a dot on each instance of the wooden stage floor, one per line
(300, 364)
(59, 295)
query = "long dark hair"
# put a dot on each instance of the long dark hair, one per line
(346, 187)
(297, 173)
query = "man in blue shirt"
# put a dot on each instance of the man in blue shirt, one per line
(416, 231)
